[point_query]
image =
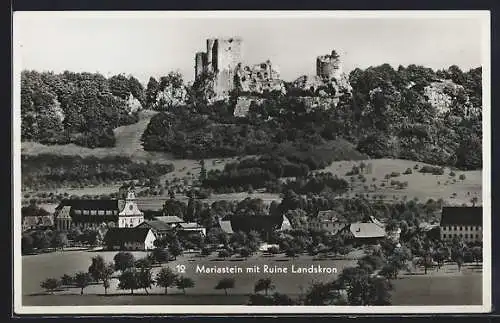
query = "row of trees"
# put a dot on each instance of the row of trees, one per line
(44, 169)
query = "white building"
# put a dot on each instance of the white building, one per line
(96, 213)
(129, 239)
(463, 222)
(130, 216)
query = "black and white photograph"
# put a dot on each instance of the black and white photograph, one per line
(197, 162)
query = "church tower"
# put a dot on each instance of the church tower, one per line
(130, 216)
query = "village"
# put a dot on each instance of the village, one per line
(333, 188)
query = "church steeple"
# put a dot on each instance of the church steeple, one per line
(130, 194)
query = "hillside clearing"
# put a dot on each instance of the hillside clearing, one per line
(420, 186)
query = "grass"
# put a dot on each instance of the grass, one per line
(421, 186)
(36, 268)
(444, 287)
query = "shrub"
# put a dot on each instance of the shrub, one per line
(452, 174)
(408, 171)
(434, 170)
(395, 174)
(273, 250)
(461, 177)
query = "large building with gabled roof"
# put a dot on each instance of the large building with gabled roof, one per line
(85, 213)
(463, 222)
(129, 239)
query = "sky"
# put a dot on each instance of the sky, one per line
(155, 43)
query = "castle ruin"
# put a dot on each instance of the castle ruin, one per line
(329, 66)
(220, 59)
(223, 60)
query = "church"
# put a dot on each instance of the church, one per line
(85, 214)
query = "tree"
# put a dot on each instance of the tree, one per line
(184, 282)
(474, 201)
(50, 284)
(144, 262)
(96, 269)
(264, 284)
(160, 255)
(144, 279)
(477, 254)
(82, 280)
(128, 280)
(151, 92)
(427, 262)
(224, 253)
(172, 92)
(166, 278)
(27, 244)
(461, 177)
(66, 280)
(203, 171)
(124, 260)
(225, 284)
(244, 252)
(324, 294)
(107, 273)
(363, 288)
(175, 249)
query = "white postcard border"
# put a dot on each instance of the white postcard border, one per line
(245, 309)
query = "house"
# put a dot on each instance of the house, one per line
(37, 222)
(171, 220)
(96, 213)
(463, 222)
(329, 221)
(363, 233)
(129, 239)
(191, 227)
(159, 228)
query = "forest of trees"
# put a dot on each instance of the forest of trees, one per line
(79, 108)
(46, 169)
(387, 115)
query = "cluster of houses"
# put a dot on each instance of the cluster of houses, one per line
(128, 230)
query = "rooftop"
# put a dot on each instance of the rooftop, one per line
(190, 225)
(462, 215)
(226, 226)
(171, 219)
(119, 235)
(156, 225)
(108, 204)
(366, 230)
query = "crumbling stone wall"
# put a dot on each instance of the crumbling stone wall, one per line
(329, 66)
(259, 78)
(220, 59)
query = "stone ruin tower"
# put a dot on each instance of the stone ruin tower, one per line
(221, 59)
(329, 66)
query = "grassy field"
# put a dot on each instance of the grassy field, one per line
(421, 186)
(444, 287)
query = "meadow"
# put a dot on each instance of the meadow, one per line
(421, 186)
(444, 287)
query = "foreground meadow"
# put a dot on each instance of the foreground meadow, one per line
(444, 287)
